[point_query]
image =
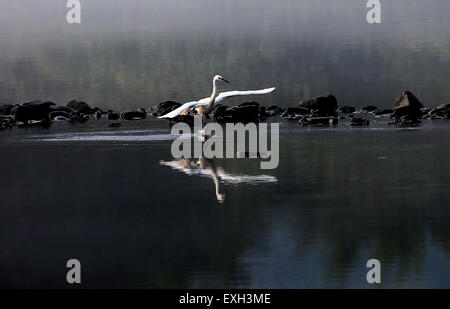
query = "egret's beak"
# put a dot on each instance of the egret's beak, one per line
(225, 80)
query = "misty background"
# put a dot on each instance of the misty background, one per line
(130, 54)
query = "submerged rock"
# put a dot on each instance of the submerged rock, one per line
(440, 112)
(295, 113)
(318, 121)
(347, 109)
(359, 122)
(79, 118)
(5, 109)
(273, 110)
(384, 112)
(133, 115)
(369, 108)
(6, 122)
(164, 108)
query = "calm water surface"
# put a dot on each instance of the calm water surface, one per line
(117, 200)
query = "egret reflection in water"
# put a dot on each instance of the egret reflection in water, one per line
(207, 168)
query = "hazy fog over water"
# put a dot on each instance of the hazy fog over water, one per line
(128, 54)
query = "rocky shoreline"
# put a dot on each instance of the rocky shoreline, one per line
(407, 110)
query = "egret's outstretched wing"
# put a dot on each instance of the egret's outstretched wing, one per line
(234, 93)
(181, 109)
(220, 97)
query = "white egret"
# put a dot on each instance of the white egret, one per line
(205, 106)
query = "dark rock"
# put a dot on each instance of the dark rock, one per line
(369, 108)
(245, 113)
(59, 108)
(346, 109)
(425, 110)
(406, 111)
(407, 108)
(359, 122)
(34, 110)
(81, 107)
(133, 115)
(321, 106)
(218, 113)
(406, 120)
(113, 116)
(164, 108)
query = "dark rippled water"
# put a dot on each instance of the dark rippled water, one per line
(117, 200)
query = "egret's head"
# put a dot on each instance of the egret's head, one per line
(218, 77)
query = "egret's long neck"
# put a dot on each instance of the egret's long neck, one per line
(213, 97)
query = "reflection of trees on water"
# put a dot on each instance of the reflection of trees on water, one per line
(391, 208)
